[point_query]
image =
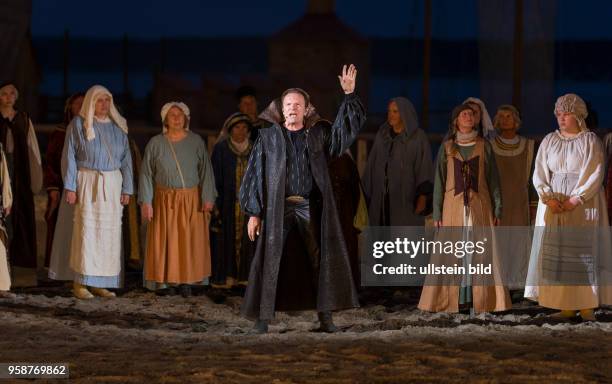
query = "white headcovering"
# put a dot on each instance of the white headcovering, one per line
(232, 120)
(182, 106)
(572, 103)
(488, 131)
(89, 107)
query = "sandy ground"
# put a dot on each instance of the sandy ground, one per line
(141, 337)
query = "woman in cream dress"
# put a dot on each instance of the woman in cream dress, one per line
(571, 245)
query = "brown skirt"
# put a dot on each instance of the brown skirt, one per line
(178, 247)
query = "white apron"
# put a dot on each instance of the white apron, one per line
(96, 240)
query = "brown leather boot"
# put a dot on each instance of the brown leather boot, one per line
(80, 291)
(103, 293)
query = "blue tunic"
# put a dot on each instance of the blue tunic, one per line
(94, 154)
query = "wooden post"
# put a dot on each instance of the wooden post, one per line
(426, 65)
(126, 85)
(163, 54)
(66, 61)
(517, 70)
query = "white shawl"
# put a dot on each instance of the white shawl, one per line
(89, 107)
(488, 131)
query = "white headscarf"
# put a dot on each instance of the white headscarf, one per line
(182, 106)
(572, 103)
(89, 107)
(488, 131)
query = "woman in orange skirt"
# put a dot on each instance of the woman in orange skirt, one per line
(176, 193)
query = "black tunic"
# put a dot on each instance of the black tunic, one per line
(223, 241)
(263, 194)
(21, 224)
(299, 178)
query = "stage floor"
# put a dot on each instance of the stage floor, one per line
(142, 337)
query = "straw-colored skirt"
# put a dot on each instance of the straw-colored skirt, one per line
(178, 247)
(59, 261)
(5, 277)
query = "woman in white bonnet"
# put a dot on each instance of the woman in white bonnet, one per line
(98, 181)
(176, 193)
(571, 246)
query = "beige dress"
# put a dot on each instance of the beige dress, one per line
(514, 166)
(514, 159)
(567, 167)
(477, 219)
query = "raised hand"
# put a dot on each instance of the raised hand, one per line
(347, 79)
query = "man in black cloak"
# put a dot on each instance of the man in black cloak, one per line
(287, 191)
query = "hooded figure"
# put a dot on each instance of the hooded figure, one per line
(399, 170)
(484, 125)
(18, 139)
(176, 193)
(98, 181)
(232, 251)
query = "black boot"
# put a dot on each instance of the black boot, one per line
(185, 290)
(170, 291)
(261, 327)
(326, 322)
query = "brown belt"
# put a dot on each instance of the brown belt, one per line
(295, 199)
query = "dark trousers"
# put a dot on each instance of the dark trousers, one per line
(297, 215)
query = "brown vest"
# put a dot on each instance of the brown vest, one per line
(469, 179)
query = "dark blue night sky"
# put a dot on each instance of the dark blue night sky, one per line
(587, 19)
(576, 24)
